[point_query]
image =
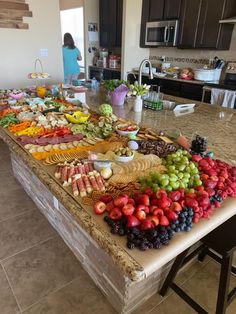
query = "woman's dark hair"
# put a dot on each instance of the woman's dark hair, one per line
(69, 41)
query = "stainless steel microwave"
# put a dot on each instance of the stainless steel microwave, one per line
(161, 33)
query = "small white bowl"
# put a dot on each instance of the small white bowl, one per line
(126, 133)
(124, 158)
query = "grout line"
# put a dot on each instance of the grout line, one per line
(8, 280)
(17, 215)
(26, 249)
(52, 292)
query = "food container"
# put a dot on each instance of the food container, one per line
(124, 158)
(126, 133)
(114, 61)
(205, 75)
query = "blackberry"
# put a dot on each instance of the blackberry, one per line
(106, 218)
(121, 232)
(130, 245)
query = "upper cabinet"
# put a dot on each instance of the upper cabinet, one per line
(172, 9)
(199, 25)
(163, 9)
(158, 10)
(210, 33)
(110, 16)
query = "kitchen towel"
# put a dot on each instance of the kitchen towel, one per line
(229, 99)
(217, 96)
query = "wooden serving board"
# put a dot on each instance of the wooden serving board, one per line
(12, 13)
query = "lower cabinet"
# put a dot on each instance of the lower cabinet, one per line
(170, 87)
(103, 74)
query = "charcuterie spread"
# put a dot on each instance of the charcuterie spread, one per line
(146, 185)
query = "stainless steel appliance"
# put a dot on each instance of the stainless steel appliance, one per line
(229, 82)
(161, 33)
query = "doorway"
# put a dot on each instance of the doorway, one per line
(72, 21)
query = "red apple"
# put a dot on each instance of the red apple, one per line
(140, 214)
(161, 194)
(132, 221)
(152, 208)
(144, 199)
(175, 196)
(131, 201)
(171, 215)
(121, 200)
(115, 214)
(99, 207)
(148, 191)
(175, 206)
(128, 209)
(154, 220)
(110, 206)
(147, 224)
(196, 158)
(143, 207)
(158, 212)
(106, 198)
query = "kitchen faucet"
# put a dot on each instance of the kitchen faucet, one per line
(140, 70)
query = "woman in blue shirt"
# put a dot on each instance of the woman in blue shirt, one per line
(71, 55)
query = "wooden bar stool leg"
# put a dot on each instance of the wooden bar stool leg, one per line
(172, 273)
(203, 253)
(224, 284)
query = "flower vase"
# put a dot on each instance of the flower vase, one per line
(138, 104)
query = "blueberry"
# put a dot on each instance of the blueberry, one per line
(187, 229)
(177, 229)
(173, 226)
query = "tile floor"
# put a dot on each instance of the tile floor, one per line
(40, 275)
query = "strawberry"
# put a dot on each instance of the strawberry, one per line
(164, 221)
(132, 221)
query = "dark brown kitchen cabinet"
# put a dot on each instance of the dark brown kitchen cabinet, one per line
(210, 33)
(110, 17)
(156, 9)
(200, 27)
(172, 9)
(163, 9)
(189, 15)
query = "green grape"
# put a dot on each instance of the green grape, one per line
(173, 177)
(186, 175)
(171, 168)
(174, 185)
(181, 175)
(182, 167)
(164, 182)
(198, 182)
(195, 171)
(169, 188)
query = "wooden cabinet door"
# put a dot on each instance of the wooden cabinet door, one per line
(172, 9)
(156, 9)
(189, 18)
(209, 26)
(108, 23)
(119, 10)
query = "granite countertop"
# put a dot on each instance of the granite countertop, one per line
(218, 124)
(167, 77)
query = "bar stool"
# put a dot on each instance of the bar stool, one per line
(222, 241)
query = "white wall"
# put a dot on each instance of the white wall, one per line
(91, 15)
(20, 48)
(132, 54)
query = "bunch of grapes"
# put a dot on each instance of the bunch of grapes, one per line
(184, 221)
(199, 145)
(148, 239)
(181, 173)
(116, 227)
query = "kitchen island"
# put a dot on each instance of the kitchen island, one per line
(126, 277)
